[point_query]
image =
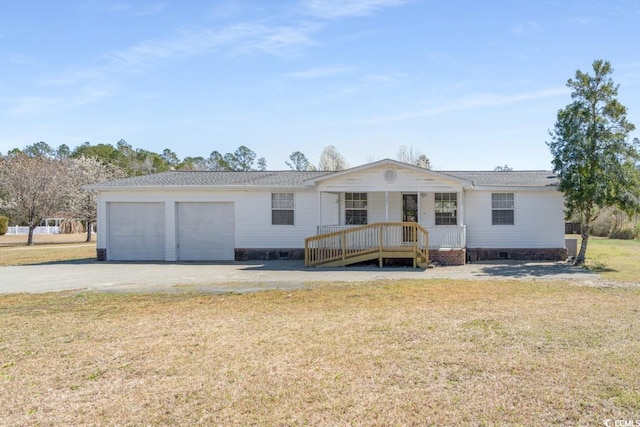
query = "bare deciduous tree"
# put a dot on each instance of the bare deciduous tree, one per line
(82, 203)
(331, 160)
(34, 187)
(413, 157)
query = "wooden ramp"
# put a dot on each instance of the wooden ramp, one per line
(381, 240)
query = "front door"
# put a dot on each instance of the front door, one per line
(409, 214)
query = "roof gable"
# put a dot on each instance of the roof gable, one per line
(389, 173)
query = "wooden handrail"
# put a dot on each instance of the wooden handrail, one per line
(343, 246)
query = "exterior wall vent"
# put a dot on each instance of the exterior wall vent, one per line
(390, 175)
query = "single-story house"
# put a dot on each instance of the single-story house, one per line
(332, 218)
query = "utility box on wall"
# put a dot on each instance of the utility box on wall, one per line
(572, 247)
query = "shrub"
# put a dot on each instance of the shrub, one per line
(4, 225)
(71, 226)
(626, 233)
(602, 226)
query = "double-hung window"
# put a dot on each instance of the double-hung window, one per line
(446, 208)
(282, 208)
(355, 205)
(502, 208)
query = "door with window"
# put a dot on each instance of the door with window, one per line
(409, 214)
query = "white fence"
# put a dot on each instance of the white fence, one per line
(14, 230)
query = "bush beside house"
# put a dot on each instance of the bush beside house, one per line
(4, 225)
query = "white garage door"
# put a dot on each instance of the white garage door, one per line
(205, 231)
(136, 232)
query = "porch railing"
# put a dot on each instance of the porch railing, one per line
(361, 243)
(440, 237)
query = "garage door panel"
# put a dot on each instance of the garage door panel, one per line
(205, 231)
(136, 232)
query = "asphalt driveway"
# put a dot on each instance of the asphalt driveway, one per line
(252, 275)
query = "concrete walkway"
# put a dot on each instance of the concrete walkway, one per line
(251, 276)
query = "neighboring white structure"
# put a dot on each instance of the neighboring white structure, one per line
(179, 216)
(48, 226)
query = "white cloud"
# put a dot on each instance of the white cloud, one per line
(150, 10)
(474, 101)
(319, 72)
(345, 8)
(580, 21)
(18, 59)
(134, 10)
(528, 27)
(369, 81)
(30, 105)
(240, 38)
(41, 106)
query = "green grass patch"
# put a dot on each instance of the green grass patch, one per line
(614, 259)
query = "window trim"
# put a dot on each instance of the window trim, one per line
(508, 205)
(275, 208)
(363, 208)
(443, 210)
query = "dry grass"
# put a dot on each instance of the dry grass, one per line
(46, 248)
(405, 353)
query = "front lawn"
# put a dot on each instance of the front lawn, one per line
(46, 248)
(428, 352)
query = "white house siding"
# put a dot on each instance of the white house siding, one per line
(538, 221)
(427, 209)
(252, 210)
(330, 207)
(407, 180)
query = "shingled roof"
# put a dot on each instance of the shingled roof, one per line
(508, 178)
(524, 179)
(215, 178)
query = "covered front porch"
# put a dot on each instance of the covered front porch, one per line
(388, 192)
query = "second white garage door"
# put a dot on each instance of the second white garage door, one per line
(205, 231)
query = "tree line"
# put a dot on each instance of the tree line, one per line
(40, 181)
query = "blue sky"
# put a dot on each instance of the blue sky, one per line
(471, 84)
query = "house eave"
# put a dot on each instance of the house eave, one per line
(107, 188)
(515, 188)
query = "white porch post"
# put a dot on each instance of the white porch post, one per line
(319, 208)
(463, 220)
(419, 207)
(461, 212)
(386, 206)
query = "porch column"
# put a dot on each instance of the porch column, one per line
(319, 209)
(463, 220)
(386, 206)
(461, 212)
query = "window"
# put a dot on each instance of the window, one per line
(355, 205)
(282, 208)
(446, 209)
(502, 209)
